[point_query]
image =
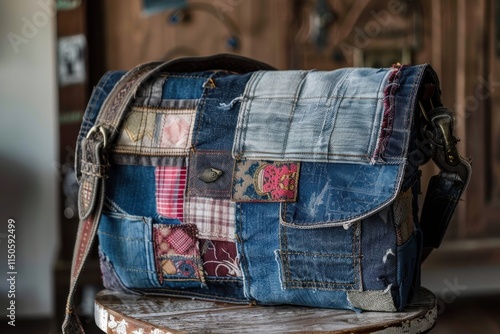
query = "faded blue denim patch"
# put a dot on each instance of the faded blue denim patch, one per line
(332, 194)
(127, 243)
(311, 115)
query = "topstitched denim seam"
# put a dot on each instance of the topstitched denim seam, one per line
(314, 254)
(410, 118)
(248, 98)
(120, 237)
(200, 110)
(372, 145)
(310, 153)
(319, 97)
(161, 110)
(335, 105)
(113, 206)
(247, 280)
(136, 270)
(356, 250)
(292, 112)
(187, 76)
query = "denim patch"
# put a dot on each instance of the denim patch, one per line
(332, 194)
(311, 116)
(218, 112)
(379, 249)
(177, 253)
(126, 242)
(220, 258)
(137, 180)
(408, 264)
(203, 162)
(265, 181)
(185, 86)
(170, 187)
(110, 279)
(156, 131)
(309, 262)
(215, 218)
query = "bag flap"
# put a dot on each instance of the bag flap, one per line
(349, 129)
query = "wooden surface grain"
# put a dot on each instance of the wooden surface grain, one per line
(129, 314)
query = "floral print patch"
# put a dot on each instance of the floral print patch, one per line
(220, 258)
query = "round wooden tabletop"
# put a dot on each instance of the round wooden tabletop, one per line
(130, 314)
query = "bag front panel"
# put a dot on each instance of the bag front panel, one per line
(239, 227)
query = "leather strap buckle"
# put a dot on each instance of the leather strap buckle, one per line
(94, 129)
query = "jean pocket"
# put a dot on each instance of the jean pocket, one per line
(126, 241)
(320, 258)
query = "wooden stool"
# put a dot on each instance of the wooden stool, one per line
(129, 314)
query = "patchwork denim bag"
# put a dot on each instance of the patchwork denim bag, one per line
(221, 178)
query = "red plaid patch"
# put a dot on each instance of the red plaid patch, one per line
(170, 186)
(175, 239)
(180, 241)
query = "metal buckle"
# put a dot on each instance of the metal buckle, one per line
(441, 135)
(102, 131)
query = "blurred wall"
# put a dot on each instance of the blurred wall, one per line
(28, 160)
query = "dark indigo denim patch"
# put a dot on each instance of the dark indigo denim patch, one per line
(321, 258)
(218, 112)
(126, 184)
(407, 266)
(379, 249)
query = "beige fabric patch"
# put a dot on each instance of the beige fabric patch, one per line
(372, 300)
